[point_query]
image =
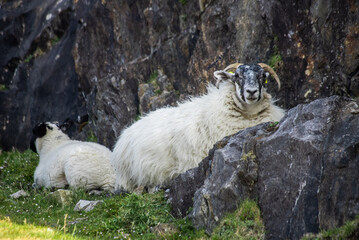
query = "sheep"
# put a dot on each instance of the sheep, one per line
(171, 140)
(70, 163)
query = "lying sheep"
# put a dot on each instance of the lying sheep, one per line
(171, 140)
(65, 162)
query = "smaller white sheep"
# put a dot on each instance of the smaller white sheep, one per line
(65, 162)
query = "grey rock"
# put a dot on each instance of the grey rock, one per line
(180, 194)
(85, 205)
(303, 172)
(61, 197)
(19, 194)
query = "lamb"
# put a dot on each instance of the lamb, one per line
(65, 162)
(171, 140)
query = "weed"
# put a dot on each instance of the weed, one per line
(92, 137)
(55, 40)
(275, 61)
(158, 91)
(3, 87)
(272, 126)
(138, 117)
(245, 223)
(28, 58)
(153, 77)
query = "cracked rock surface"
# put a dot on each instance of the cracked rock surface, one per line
(303, 172)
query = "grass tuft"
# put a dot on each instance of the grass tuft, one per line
(245, 223)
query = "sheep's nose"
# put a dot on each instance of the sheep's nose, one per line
(251, 92)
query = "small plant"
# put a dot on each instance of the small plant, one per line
(245, 223)
(275, 61)
(138, 117)
(153, 82)
(158, 91)
(28, 58)
(184, 2)
(273, 124)
(92, 137)
(3, 87)
(55, 40)
(153, 77)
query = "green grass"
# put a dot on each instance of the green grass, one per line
(350, 230)
(245, 223)
(275, 60)
(119, 217)
(92, 137)
(153, 77)
(3, 87)
(9, 230)
(153, 81)
(28, 58)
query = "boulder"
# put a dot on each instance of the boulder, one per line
(19, 194)
(85, 205)
(303, 172)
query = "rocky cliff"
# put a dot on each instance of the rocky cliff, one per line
(116, 60)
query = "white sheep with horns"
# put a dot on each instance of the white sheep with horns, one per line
(65, 162)
(171, 140)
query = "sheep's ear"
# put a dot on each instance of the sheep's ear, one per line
(222, 75)
(66, 125)
(40, 130)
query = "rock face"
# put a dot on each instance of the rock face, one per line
(303, 172)
(37, 74)
(116, 60)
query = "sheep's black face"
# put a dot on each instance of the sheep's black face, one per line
(249, 82)
(40, 131)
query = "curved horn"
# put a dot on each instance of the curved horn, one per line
(271, 71)
(233, 67)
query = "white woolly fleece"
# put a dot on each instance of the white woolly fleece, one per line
(66, 162)
(171, 140)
